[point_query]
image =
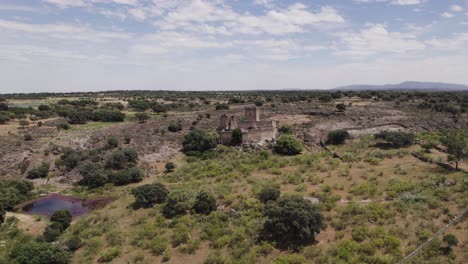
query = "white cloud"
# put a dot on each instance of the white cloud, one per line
(456, 8)
(447, 15)
(67, 3)
(62, 31)
(376, 39)
(407, 2)
(393, 2)
(459, 41)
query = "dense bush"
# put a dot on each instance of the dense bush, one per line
(341, 107)
(149, 194)
(222, 106)
(106, 115)
(93, 175)
(236, 136)
(126, 176)
(269, 193)
(112, 143)
(4, 118)
(205, 203)
(177, 204)
(142, 117)
(288, 145)
(38, 253)
(74, 243)
(175, 127)
(27, 137)
(337, 137)
(286, 130)
(198, 140)
(396, 138)
(278, 228)
(14, 192)
(170, 166)
(159, 108)
(40, 171)
(78, 117)
(63, 125)
(325, 98)
(63, 217)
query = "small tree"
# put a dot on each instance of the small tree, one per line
(288, 145)
(292, 222)
(149, 194)
(93, 175)
(205, 203)
(177, 204)
(159, 108)
(198, 140)
(451, 240)
(337, 137)
(170, 166)
(74, 243)
(63, 217)
(142, 117)
(236, 136)
(457, 146)
(268, 193)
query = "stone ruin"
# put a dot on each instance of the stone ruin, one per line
(254, 130)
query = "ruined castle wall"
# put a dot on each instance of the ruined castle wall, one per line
(252, 114)
(225, 137)
(257, 135)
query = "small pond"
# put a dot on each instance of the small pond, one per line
(48, 205)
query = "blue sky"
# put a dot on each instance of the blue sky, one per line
(93, 45)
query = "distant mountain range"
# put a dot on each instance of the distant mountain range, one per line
(420, 86)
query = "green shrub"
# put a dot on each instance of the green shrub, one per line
(268, 193)
(286, 130)
(158, 245)
(290, 259)
(175, 126)
(236, 136)
(63, 125)
(288, 145)
(63, 217)
(33, 252)
(28, 137)
(149, 194)
(291, 209)
(74, 243)
(198, 140)
(126, 176)
(205, 203)
(222, 106)
(109, 254)
(396, 139)
(93, 175)
(142, 117)
(40, 171)
(112, 143)
(51, 233)
(170, 166)
(337, 137)
(177, 204)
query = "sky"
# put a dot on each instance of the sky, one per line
(96, 45)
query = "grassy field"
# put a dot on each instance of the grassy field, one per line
(381, 203)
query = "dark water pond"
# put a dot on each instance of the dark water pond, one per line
(48, 205)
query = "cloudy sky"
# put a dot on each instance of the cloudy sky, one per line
(92, 45)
